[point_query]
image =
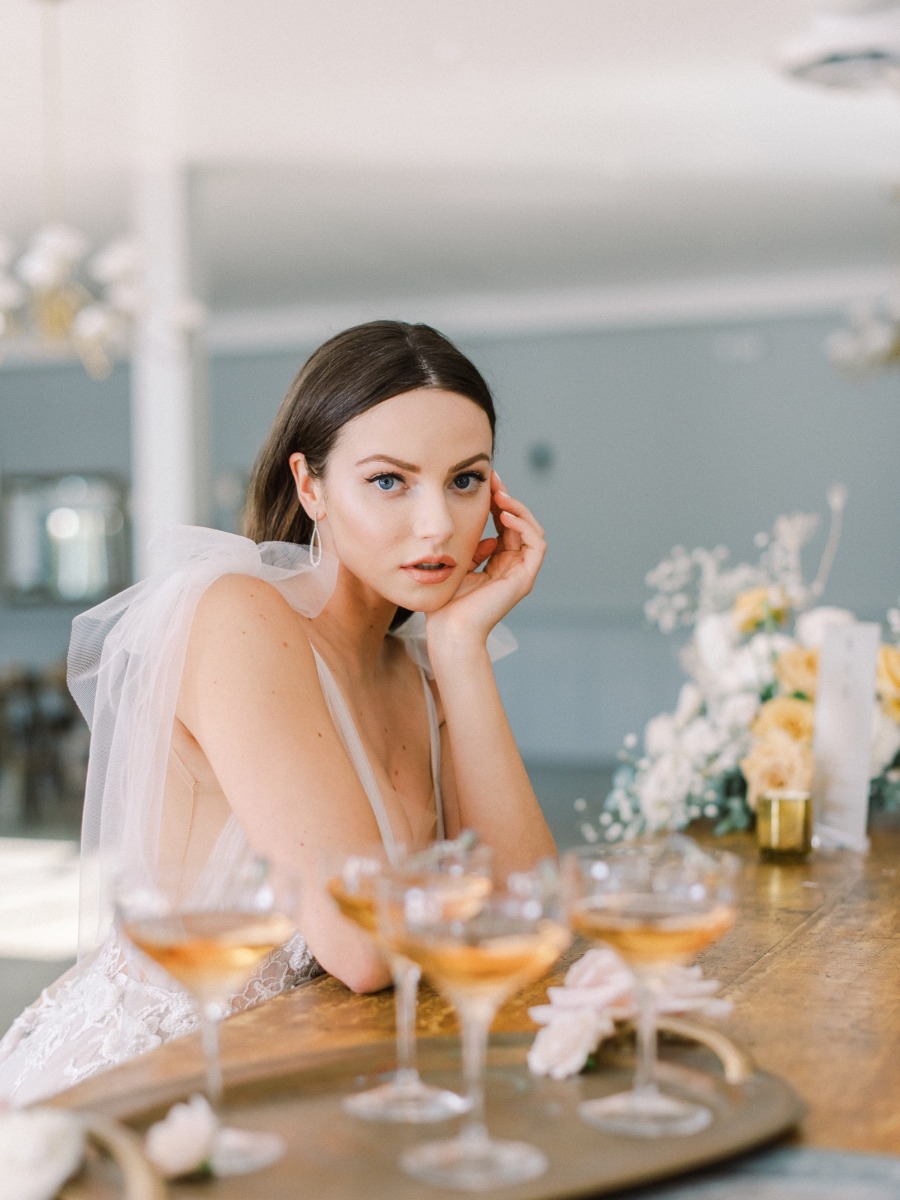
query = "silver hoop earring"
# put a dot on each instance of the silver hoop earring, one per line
(315, 544)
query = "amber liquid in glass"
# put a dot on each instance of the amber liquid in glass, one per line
(356, 906)
(647, 930)
(212, 953)
(492, 963)
(460, 899)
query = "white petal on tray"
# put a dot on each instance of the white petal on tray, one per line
(40, 1148)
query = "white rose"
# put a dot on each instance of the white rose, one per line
(599, 978)
(737, 711)
(885, 742)
(660, 735)
(40, 1149)
(561, 1048)
(183, 1140)
(810, 626)
(700, 740)
(753, 665)
(714, 642)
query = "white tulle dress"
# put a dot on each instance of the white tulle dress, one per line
(148, 802)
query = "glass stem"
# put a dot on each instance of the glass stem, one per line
(475, 1017)
(406, 986)
(210, 1017)
(645, 1070)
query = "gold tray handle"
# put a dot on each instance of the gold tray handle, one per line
(737, 1063)
(139, 1179)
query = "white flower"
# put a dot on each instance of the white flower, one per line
(597, 991)
(660, 735)
(598, 979)
(810, 627)
(736, 711)
(715, 641)
(690, 702)
(700, 741)
(562, 1047)
(663, 787)
(40, 1149)
(885, 742)
(753, 666)
(183, 1141)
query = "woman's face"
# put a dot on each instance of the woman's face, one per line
(406, 494)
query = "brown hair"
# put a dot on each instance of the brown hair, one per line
(348, 374)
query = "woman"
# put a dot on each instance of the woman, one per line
(280, 700)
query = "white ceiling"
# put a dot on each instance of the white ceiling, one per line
(347, 151)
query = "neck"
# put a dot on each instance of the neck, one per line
(353, 626)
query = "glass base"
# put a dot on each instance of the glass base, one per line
(473, 1165)
(645, 1113)
(412, 1101)
(240, 1151)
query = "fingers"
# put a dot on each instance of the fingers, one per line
(484, 550)
(514, 520)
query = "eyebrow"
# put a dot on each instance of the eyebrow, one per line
(405, 466)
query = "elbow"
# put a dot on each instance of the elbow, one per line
(366, 981)
(357, 965)
(364, 977)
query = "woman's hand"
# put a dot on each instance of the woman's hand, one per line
(511, 561)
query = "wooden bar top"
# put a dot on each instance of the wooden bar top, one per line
(812, 967)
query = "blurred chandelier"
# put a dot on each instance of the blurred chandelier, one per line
(852, 44)
(53, 297)
(855, 44)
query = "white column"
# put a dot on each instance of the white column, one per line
(169, 410)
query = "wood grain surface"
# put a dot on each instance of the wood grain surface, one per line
(812, 967)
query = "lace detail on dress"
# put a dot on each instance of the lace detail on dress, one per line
(113, 1006)
(291, 964)
(105, 1009)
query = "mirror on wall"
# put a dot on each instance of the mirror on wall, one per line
(65, 538)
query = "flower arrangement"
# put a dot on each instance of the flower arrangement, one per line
(743, 722)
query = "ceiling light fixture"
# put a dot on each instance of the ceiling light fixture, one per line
(852, 44)
(855, 44)
(54, 299)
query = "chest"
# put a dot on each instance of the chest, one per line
(393, 725)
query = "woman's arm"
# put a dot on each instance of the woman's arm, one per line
(250, 695)
(487, 787)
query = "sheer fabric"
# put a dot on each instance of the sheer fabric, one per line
(125, 664)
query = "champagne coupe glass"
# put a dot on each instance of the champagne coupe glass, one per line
(477, 955)
(464, 868)
(211, 945)
(657, 902)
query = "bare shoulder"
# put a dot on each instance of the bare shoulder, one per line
(244, 629)
(237, 606)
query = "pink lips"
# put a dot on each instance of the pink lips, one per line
(430, 569)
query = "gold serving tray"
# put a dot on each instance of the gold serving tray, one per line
(333, 1156)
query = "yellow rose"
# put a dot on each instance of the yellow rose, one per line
(796, 670)
(788, 715)
(753, 608)
(775, 762)
(888, 680)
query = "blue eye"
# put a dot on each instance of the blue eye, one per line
(468, 481)
(385, 483)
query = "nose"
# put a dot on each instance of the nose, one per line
(433, 521)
